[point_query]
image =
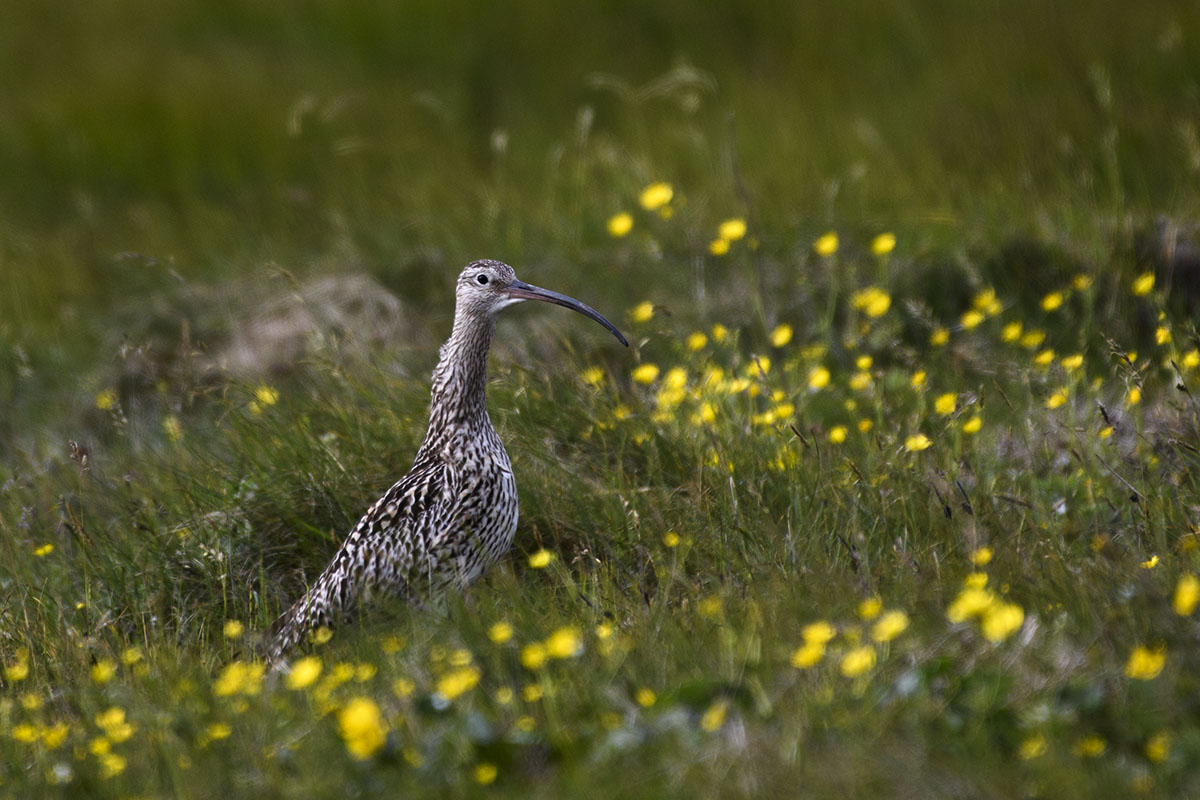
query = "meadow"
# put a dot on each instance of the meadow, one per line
(896, 492)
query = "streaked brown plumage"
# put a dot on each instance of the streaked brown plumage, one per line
(455, 512)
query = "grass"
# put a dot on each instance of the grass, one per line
(908, 516)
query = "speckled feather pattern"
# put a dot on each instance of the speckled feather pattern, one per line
(455, 512)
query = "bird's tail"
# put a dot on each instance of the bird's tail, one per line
(328, 600)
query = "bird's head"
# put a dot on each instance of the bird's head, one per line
(486, 286)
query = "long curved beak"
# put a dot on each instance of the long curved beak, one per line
(519, 290)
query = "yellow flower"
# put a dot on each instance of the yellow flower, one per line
(1145, 664)
(1081, 282)
(18, 671)
(732, 229)
(103, 671)
(1011, 332)
(25, 733)
(322, 635)
(1150, 563)
(719, 332)
(718, 247)
(593, 376)
(500, 632)
(1090, 747)
(459, 681)
(113, 723)
(781, 335)
(1143, 284)
(44, 550)
(485, 773)
(541, 559)
(218, 730)
(758, 367)
(976, 580)
(982, 556)
(857, 661)
(1191, 359)
(362, 728)
(696, 341)
(1001, 620)
(304, 673)
(671, 539)
(872, 300)
(645, 373)
(916, 443)
(818, 632)
(818, 378)
(971, 319)
(865, 425)
(1032, 747)
(1134, 396)
(646, 697)
(239, 677)
(1043, 358)
(55, 735)
(971, 602)
(945, 403)
(533, 655)
(986, 302)
(1052, 301)
(890, 625)
(111, 765)
(883, 244)
(870, 608)
(860, 381)
(918, 379)
(620, 224)
(837, 434)
(564, 643)
(1071, 363)
(714, 717)
(1187, 595)
(973, 424)
(1162, 335)
(234, 629)
(1105, 432)
(106, 399)
(827, 244)
(656, 195)
(1158, 747)
(1057, 399)
(266, 396)
(807, 655)
(939, 337)
(642, 312)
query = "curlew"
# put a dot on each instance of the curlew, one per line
(455, 512)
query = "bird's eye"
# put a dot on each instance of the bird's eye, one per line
(483, 279)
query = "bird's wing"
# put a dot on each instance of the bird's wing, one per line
(382, 553)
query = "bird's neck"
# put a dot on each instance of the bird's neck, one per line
(460, 378)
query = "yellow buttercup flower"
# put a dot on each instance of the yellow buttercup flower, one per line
(1143, 284)
(718, 247)
(890, 625)
(642, 312)
(1052, 301)
(304, 673)
(656, 195)
(362, 728)
(827, 244)
(883, 244)
(1145, 664)
(732, 229)
(620, 224)
(818, 378)
(781, 335)
(973, 425)
(917, 442)
(971, 319)
(945, 403)
(541, 559)
(1187, 595)
(857, 661)
(939, 337)
(837, 434)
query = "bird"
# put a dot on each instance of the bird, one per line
(454, 514)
